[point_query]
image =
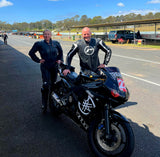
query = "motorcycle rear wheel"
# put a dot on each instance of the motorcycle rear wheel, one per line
(121, 145)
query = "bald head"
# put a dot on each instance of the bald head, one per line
(86, 34)
(86, 29)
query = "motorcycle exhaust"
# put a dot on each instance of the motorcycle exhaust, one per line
(56, 97)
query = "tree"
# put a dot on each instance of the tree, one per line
(96, 19)
(76, 18)
(130, 17)
(157, 15)
(84, 20)
(59, 24)
(139, 17)
(149, 15)
(46, 24)
(110, 19)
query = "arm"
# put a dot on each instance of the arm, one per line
(60, 53)
(32, 52)
(107, 51)
(71, 53)
(69, 57)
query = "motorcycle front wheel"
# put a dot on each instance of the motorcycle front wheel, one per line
(121, 143)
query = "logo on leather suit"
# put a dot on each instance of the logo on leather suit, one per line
(89, 50)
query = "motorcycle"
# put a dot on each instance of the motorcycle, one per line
(90, 101)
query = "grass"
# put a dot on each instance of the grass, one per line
(135, 45)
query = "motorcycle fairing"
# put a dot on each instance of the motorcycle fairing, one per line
(115, 85)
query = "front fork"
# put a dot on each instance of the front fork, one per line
(107, 122)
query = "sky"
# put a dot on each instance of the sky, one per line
(18, 11)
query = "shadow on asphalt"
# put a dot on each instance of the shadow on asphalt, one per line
(127, 104)
(25, 131)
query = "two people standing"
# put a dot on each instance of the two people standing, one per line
(52, 54)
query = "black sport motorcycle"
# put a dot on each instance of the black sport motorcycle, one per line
(89, 100)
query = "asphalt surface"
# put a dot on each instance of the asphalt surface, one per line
(26, 132)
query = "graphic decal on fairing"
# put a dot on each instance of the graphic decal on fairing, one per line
(86, 105)
(121, 85)
(115, 74)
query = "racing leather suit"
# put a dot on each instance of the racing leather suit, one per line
(88, 53)
(50, 53)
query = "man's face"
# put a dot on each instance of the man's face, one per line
(47, 35)
(86, 34)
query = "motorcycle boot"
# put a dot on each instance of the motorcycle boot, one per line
(45, 92)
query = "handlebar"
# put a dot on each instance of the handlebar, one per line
(64, 66)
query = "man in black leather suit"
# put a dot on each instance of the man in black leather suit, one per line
(51, 54)
(88, 49)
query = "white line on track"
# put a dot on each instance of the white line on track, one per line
(137, 78)
(143, 60)
(137, 59)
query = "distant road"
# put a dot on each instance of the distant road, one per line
(40, 136)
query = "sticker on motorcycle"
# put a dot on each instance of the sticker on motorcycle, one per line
(121, 85)
(115, 75)
(86, 105)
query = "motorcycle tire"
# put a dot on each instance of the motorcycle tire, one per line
(121, 145)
